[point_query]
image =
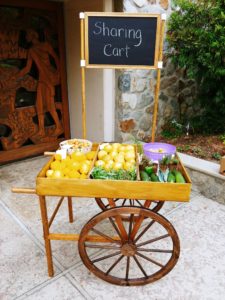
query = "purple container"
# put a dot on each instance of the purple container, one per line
(156, 151)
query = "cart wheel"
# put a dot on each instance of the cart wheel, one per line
(153, 205)
(129, 253)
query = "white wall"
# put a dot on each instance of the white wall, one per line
(94, 77)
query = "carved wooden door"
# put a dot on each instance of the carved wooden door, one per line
(33, 95)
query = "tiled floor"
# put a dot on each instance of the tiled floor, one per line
(199, 273)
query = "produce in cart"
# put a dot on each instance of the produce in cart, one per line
(115, 162)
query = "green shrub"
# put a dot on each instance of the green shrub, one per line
(196, 36)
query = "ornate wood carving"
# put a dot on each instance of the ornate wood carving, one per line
(33, 97)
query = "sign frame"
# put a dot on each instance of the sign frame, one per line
(121, 15)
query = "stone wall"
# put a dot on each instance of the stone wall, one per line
(135, 88)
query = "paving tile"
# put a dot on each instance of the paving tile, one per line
(22, 263)
(57, 289)
(200, 271)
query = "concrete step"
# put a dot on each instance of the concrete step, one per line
(205, 177)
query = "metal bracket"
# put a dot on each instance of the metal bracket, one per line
(163, 17)
(81, 15)
(82, 63)
(160, 64)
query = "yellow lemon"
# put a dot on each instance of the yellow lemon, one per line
(116, 145)
(87, 162)
(129, 147)
(108, 148)
(113, 154)
(49, 173)
(66, 171)
(57, 174)
(55, 165)
(118, 166)
(84, 169)
(122, 148)
(101, 154)
(129, 155)
(119, 158)
(99, 163)
(78, 156)
(58, 156)
(106, 158)
(74, 174)
(83, 176)
(109, 165)
(74, 165)
(128, 166)
(90, 155)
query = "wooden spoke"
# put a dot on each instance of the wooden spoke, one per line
(124, 201)
(150, 259)
(154, 250)
(105, 236)
(115, 227)
(140, 266)
(127, 247)
(102, 247)
(130, 226)
(139, 203)
(153, 240)
(114, 264)
(105, 257)
(127, 267)
(144, 230)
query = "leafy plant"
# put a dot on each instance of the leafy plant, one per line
(172, 130)
(216, 155)
(196, 35)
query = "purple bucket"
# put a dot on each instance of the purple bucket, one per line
(156, 151)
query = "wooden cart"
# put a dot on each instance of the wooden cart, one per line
(136, 245)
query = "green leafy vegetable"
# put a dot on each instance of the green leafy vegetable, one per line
(100, 173)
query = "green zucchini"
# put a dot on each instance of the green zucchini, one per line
(171, 177)
(179, 177)
(154, 177)
(144, 176)
(149, 170)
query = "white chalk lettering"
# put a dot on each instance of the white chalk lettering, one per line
(100, 28)
(109, 50)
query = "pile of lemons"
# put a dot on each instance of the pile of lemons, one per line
(116, 156)
(77, 165)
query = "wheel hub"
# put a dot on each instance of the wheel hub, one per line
(128, 249)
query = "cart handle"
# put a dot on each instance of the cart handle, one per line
(20, 190)
(48, 153)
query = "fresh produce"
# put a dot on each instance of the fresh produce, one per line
(116, 157)
(171, 177)
(144, 176)
(179, 177)
(149, 170)
(154, 177)
(101, 173)
(77, 165)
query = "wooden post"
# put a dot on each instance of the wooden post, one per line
(83, 92)
(157, 87)
(44, 217)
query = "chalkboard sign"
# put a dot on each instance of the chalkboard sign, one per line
(119, 40)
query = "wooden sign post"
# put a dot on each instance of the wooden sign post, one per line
(121, 41)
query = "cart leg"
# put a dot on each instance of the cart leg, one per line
(70, 209)
(45, 225)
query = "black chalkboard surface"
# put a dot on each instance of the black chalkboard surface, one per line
(122, 41)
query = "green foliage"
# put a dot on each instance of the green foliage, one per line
(172, 130)
(196, 35)
(216, 155)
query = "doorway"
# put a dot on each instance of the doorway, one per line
(99, 83)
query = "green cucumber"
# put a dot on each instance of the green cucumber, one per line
(171, 177)
(149, 170)
(144, 176)
(154, 177)
(179, 177)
